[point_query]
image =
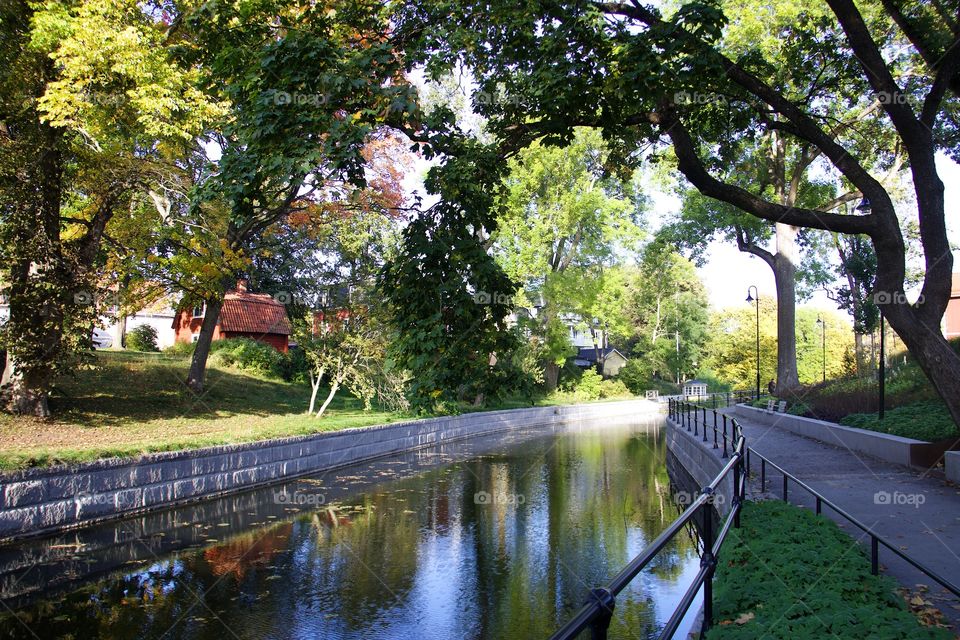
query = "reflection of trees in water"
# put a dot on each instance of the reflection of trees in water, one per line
(366, 554)
(591, 501)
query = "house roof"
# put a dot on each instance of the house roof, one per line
(253, 313)
(590, 354)
(697, 382)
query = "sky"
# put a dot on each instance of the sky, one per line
(728, 272)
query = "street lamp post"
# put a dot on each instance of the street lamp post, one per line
(823, 345)
(751, 299)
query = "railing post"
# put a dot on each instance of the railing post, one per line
(874, 555)
(600, 624)
(725, 454)
(707, 560)
(687, 404)
(785, 479)
(704, 424)
(819, 505)
(715, 430)
(696, 419)
(736, 493)
(763, 475)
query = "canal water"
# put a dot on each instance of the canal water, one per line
(493, 537)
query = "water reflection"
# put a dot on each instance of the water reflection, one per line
(405, 547)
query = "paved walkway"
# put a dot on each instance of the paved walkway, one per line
(918, 513)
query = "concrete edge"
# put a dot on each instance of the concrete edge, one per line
(886, 447)
(44, 501)
(701, 461)
(951, 462)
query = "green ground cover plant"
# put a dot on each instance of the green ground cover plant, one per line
(804, 579)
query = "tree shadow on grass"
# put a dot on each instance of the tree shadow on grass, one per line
(121, 390)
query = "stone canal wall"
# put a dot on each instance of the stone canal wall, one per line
(41, 501)
(701, 461)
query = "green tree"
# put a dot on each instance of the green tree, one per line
(731, 351)
(94, 108)
(622, 66)
(667, 311)
(563, 220)
(308, 85)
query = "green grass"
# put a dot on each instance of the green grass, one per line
(131, 403)
(925, 420)
(789, 574)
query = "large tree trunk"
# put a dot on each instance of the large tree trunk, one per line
(785, 274)
(551, 375)
(198, 365)
(25, 395)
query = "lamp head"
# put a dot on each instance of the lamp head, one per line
(749, 297)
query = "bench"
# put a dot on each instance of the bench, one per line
(774, 407)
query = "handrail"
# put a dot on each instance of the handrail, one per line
(875, 539)
(597, 611)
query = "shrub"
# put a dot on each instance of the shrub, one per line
(248, 355)
(589, 387)
(142, 338)
(635, 376)
(780, 551)
(180, 349)
(929, 421)
(614, 389)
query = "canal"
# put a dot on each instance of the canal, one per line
(495, 537)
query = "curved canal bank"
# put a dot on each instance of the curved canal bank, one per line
(496, 536)
(43, 501)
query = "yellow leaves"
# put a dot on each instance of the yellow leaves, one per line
(117, 80)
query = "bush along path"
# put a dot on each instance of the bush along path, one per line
(803, 579)
(911, 509)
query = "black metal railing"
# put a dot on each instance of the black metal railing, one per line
(597, 612)
(713, 400)
(875, 540)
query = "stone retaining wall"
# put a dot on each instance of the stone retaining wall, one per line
(952, 465)
(701, 461)
(40, 501)
(884, 446)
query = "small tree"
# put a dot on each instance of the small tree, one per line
(345, 349)
(142, 338)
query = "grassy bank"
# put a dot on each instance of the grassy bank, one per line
(792, 575)
(130, 403)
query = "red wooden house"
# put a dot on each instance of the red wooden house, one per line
(244, 315)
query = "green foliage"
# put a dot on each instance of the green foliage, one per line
(664, 298)
(764, 575)
(180, 349)
(562, 222)
(590, 386)
(248, 355)
(142, 338)
(731, 352)
(929, 421)
(446, 303)
(614, 389)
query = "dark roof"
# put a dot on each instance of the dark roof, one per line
(700, 382)
(253, 313)
(590, 354)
